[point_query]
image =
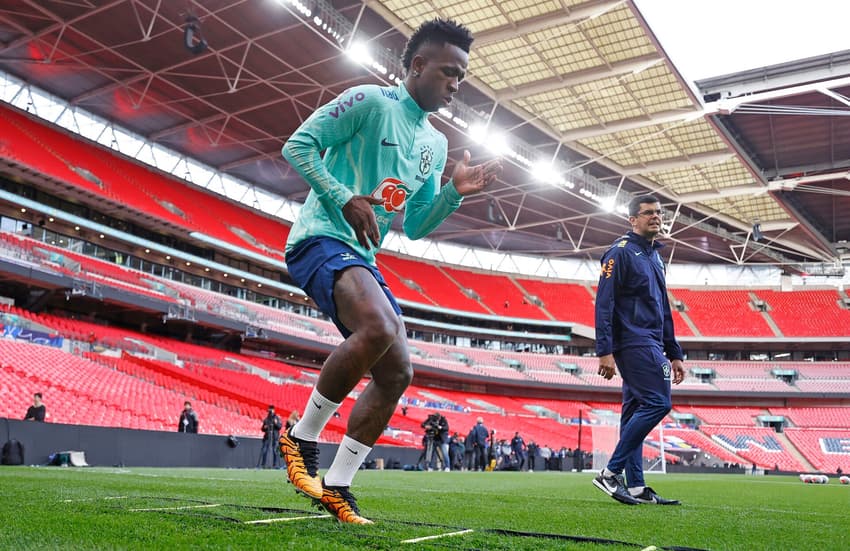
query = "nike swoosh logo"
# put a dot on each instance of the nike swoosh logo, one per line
(352, 451)
(384, 142)
(317, 405)
(638, 254)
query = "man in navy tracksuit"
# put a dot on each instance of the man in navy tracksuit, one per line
(634, 330)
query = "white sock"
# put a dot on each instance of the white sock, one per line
(349, 457)
(317, 412)
(606, 473)
(636, 491)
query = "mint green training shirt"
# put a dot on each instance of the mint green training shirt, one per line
(379, 142)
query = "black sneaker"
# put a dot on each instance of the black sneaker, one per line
(649, 496)
(615, 487)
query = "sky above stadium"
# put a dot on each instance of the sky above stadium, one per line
(717, 37)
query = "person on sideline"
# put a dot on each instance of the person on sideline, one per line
(634, 332)
(382, 156)
(293, 418)
(477, 440)
(37, 411)
(188, 419)
(271, 433)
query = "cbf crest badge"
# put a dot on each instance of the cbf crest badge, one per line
(666, 368)
(426, 157)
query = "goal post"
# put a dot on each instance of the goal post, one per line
(605, 433)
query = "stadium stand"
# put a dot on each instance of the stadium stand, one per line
(808, 313)
(570, 302)
(753, 385)
(116, 178)
(836, 386)
(84, 392)
(810, 417)
(693, 383)
(761, 446)
(82, 266)
(725, 313)
(704, 443)
(737, 370)
(568, 409)
(826, 450)
(726, 416)
(86, 333)
(731, 376)
(137, 393)
(820, 370)
(32, 153)
(681, 327)
(232, 389)
(219, 380)
(555, 377)
(402, 288)
(498, 292)
(434, 283)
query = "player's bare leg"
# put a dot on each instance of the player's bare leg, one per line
(364, 309)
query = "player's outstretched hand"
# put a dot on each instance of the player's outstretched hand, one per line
(472, 179)
(360, 216)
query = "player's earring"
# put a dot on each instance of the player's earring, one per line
(416, 74)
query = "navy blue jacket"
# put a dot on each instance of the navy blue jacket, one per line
(632, 307)
(478, 435)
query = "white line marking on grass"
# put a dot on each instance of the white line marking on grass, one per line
(437, 536)
(151, 475)
(735, 509)
(92, 499)
(205, 506)
(284, 519)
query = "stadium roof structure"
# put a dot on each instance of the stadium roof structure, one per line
(577, 96)
(788, 124)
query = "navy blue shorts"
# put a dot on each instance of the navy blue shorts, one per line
(314, 264)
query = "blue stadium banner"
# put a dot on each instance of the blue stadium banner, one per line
(35, 337)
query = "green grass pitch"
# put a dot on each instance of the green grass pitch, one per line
(140, 508)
